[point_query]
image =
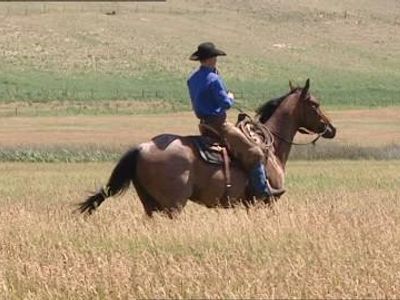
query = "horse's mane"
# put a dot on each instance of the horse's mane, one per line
(265, 111)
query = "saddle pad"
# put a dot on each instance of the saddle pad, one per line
(210, 152)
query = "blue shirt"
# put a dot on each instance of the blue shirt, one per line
(208, 93)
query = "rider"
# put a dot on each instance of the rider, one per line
(210, 100)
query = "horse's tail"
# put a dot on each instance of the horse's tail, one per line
(120, 179)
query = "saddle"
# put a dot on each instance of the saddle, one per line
(213, 150)
(210, 150)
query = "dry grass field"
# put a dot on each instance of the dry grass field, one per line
(345, 35)
(335, 234)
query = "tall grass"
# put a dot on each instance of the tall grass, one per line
(335, 234)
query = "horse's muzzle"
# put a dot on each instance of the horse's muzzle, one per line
(330, 132)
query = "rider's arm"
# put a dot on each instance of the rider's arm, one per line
(220, 94)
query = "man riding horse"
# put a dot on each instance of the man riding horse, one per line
(167, 172)
(210, 101)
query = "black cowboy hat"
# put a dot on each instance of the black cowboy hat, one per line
(206, 50)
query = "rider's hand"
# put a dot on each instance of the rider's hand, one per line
(230, 95)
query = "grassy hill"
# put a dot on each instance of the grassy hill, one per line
(77, 51)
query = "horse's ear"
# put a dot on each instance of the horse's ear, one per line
(304, 92)
(292, 88)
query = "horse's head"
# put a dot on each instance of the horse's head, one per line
(312, 119)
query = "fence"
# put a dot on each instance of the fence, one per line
(72, 102)
(106, 8)
(188, 7)
(16, 93)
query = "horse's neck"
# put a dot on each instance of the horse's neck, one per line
(284, 122)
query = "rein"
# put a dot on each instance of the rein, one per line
(269, 136)
(301, 144)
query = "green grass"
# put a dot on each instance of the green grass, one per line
(56, 154)
(333, 87)
(334, 90)
(36, 85)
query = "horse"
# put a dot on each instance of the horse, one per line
(167, 172)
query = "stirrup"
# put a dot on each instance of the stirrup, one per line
(272, 192)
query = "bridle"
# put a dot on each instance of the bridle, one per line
(305, 131)
(270, 135)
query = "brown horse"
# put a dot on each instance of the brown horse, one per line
(167, 172)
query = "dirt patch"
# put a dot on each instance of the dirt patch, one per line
(101, 130)
(361, 127)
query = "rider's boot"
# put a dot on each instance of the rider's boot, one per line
(260, 183)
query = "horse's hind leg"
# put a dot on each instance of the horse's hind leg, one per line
(149, 203)
(163, 171)
(170, 205)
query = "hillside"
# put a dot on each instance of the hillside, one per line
(76, 51)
